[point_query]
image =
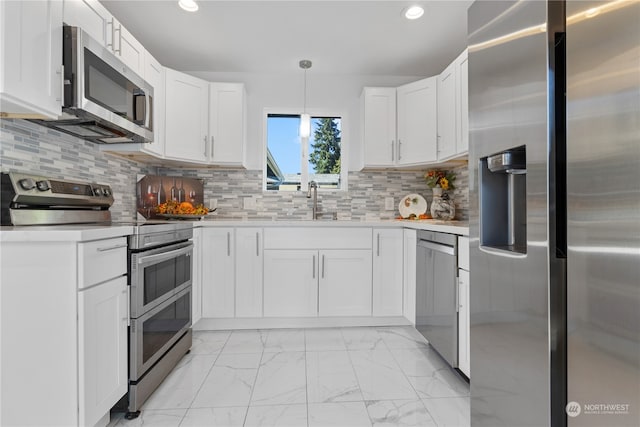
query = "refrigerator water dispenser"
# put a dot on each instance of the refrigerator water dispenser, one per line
(503, 201)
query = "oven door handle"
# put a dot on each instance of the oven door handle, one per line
(151, 259)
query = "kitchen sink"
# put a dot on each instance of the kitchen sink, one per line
(326, 216)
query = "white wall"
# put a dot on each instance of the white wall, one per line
(333, 92)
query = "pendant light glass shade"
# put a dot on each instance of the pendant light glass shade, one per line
(305, 119)
(305, 125)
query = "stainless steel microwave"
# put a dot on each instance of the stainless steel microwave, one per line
(104, 100)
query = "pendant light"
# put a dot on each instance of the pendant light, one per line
(305, 119)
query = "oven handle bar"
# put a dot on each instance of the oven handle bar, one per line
(165, 255)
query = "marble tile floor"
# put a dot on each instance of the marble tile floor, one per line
(348, 377)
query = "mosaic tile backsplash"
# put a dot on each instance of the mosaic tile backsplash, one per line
(365, 199)
(28, 147)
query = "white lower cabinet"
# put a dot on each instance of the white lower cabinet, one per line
(344, 287)
(102, 335)
(64, 361)
(387, 272)
(248, 272)
(290, 283)
(464, 361)
(218, 272)
(409, 277)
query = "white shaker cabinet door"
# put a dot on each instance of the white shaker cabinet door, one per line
(196, 276)
(218, 272)
(128, 49)
(154, 74)
(186, 117)
(227, 113)
(290, 283)
(387, 272)
(102, 333)
(378, 106)
(344, 288)
(417, 122)
(249, 272)
(462, 71)
(93, 18)
(447, 132)
(31, 58)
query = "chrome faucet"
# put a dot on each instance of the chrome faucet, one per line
(313, 185)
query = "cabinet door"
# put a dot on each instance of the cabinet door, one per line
(218, 272)
(345, 283)
(379, 126)
(227, 123)
(409, 276)
(186, 120)
(290, 283)
(417, 122)
(462, 71)
(196, 276)
(93, 18)
(154, 75)
(249, 272)
(447, 112)
(102, 332)
(128, 49)
(387, 272)
(31, 58)
(464, 361)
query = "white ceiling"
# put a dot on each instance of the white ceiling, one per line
(340, 37)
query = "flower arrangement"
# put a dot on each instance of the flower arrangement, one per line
(440, 179)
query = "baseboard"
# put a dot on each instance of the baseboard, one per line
(211, 324)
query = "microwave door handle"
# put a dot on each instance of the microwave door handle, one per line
(147, 110)
(136, 116)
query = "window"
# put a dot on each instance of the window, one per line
(291, 162)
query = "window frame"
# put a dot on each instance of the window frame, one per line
(304, 150)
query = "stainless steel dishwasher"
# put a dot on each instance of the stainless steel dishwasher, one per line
(436, 293)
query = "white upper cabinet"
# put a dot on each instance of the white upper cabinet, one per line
(227, 123)
(154, 75)
(93, 18)
(417, 123)
(453, 109)
(186, 117)
(462, 70)
(31, 59)
(379, 126)
(128, 49)
(447, 112)
(96, 21)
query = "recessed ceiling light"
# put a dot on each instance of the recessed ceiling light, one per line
(188, 5)
(413, 12)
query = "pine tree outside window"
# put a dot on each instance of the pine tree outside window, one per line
(291, 162)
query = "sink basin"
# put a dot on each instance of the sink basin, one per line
(327, 216)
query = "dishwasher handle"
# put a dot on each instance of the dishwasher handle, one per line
(449, 250)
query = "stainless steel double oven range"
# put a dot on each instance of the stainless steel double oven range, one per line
(159, 271)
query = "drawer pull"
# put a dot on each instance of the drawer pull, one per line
(111, 248)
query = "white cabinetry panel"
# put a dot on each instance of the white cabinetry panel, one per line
(379, 125)
(227, 110)
(31, 58)
(249, 272)
(218, 272)
(345, 283)
(417, 122)
(387, 272)
(464, 361)
(102, 333)
(290, 283)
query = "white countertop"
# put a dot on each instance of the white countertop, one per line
(454, 227)
(62, 233)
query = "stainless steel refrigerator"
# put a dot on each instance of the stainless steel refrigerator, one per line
(554, 112)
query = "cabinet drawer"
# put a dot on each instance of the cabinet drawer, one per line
(101, 260)
(463, 253)
(317, 238)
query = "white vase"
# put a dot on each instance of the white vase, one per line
(442, 206)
